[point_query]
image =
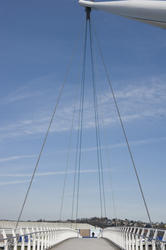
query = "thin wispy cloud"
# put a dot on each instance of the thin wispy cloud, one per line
(28, 90)
(123, 144)
(20, 94)
(53, 173)
(135, 103)
(7, 183)
(16, 157)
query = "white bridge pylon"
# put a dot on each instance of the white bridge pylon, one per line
(147, 11)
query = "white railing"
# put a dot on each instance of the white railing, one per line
(134, 238)
(34, 238)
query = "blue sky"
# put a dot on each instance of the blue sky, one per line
(37, 38)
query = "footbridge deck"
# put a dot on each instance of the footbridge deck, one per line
(88, 244)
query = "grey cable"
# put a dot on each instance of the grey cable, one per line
(75, 175)
(98, 140)
(76, 170)
(45, 139)
(112, 195)
(81, 120)
(76, 159)
(123, 129)
(67, 164)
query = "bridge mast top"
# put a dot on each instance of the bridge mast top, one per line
(147, 11)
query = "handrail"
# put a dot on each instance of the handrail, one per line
(21, 235)
(42, 238)
(135, 237)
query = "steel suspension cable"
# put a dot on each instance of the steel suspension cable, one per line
(67, 164)
(97, 129)
(81, 119)
(75, 176)
(102, 175)
(123, 127)
(76, 159)
(45, 138)
(112, 195)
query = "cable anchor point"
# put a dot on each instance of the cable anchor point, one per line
(88, 12)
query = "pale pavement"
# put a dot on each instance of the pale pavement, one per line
(86, 244)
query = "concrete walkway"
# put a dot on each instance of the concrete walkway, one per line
(86, 244)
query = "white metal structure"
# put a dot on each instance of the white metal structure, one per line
(147, 11)
(130, 238)
(34, 238)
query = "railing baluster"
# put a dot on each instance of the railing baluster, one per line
(147, 239)
(154, 240)
(142, 239)
(14, 240)
(33, 239)
(130, 238)
(5, 241)
(38, 239)
(137, 239)
(22, 239)
(163, 244)
(42, 238)
(28, 236)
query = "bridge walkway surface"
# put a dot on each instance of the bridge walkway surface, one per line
(86, 244)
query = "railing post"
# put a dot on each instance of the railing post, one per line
(56, 236)
(48, 237)
(33, 239)
(29, 239)
(154, 240)
(147, 239)
(5, 241)
(127, 238)
(53, 237)
(42, 238)
(141, 239)
(133, 239)
(137, 239)
(130, 238)
(38, 239)
(14, 239)
(163, 241)
(123, 237)
(22, 239)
